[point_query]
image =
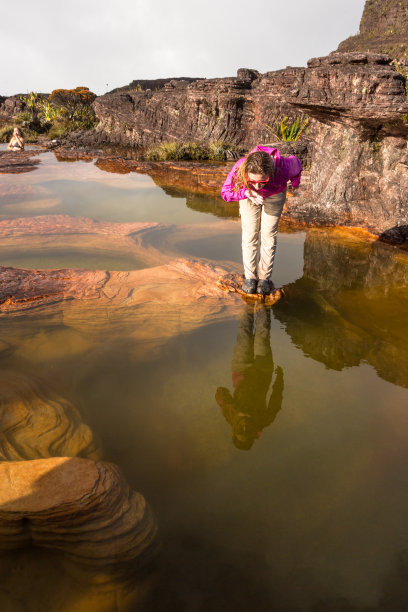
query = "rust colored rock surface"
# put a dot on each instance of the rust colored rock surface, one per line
(82, 508)
(180, 281)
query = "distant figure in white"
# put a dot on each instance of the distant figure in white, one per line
(17, 140)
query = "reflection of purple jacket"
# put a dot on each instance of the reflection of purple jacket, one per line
(287, 169)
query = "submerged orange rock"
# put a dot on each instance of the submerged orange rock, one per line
(82, 508)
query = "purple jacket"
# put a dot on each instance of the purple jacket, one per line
(287, 169)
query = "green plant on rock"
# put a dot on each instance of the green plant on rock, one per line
(75, 106)
(49, 113)
(289, 131)
(216, 151)
(59, 129)
(220, 151)
(24, 117)
(31, 102)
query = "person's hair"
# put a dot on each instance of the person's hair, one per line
(259, 162)
(18, 132)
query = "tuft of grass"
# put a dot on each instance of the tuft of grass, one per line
(289, 131)
(6, 132)
(59, 129)
(178, 151)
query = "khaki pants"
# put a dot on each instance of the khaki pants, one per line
(259, 232)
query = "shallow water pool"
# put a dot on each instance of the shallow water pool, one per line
(270, 442)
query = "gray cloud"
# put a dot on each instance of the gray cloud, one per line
(46, 45)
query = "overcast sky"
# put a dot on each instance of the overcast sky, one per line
(102, 44)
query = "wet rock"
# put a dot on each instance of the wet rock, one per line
(178, 281)
(79, 507)
(17, 162)
(36, 423)
(232, 283)
(64, 224)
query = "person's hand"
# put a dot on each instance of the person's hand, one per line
(255, 197)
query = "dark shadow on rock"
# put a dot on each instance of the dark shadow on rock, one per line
(395, 235)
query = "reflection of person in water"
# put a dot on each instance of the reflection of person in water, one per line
(247, 410)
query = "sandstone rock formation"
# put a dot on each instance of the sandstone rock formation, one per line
(234, 110)
(359, 173)
(36, 423)
(84, 509)
(383, 29)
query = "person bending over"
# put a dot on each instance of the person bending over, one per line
(259, 183)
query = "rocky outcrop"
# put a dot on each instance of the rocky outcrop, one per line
(358, 89)
(10, 106)
(234, 110)
(83, 509)
(149, 84)
(383, 29)
(359, 173)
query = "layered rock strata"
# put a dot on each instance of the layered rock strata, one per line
(383, 29)
(359, 173)
(236, 110)
(81, 508)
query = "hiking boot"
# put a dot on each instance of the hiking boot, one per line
(249, 285)
(264, 287)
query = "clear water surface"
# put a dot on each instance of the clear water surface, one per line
(272, 445)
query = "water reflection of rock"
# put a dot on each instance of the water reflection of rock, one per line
(203, 203)
(350, 305)
(248, 410)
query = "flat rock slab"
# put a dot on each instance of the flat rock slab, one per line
(232, 283)
(64, 224)
(179, 282)
(16, 162)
